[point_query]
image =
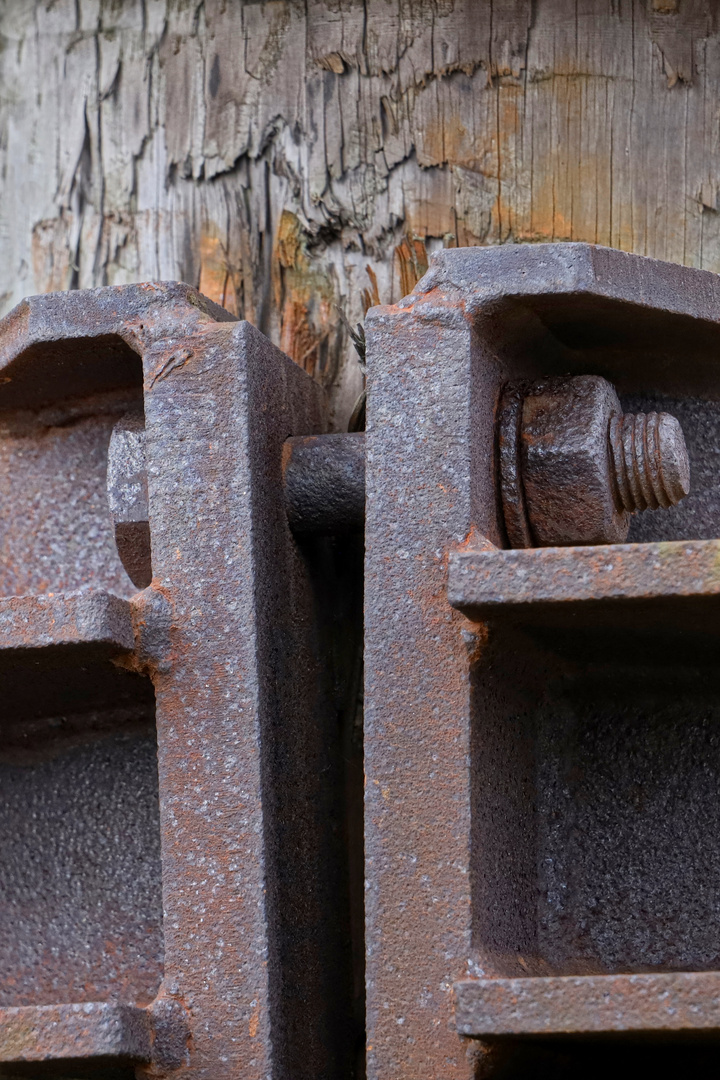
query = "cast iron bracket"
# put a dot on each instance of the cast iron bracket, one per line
(172, 889)
(536, 721)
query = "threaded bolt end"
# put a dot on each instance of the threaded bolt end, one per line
(650, 461)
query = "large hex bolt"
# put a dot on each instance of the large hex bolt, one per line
(573, 468)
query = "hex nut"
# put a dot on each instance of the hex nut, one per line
(573, 468)
(566, 464)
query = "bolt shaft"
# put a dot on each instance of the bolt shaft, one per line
(649, 460)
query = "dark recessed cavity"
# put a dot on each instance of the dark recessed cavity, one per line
(80, 884)
(596, 770)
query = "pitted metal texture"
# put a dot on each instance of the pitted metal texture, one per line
(182, 742)
(573, 468)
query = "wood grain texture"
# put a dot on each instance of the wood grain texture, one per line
(271, 153)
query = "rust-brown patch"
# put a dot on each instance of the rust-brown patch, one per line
(305, 297)
(444, 140)
(219, 279)
(370, 295)
(412, 258)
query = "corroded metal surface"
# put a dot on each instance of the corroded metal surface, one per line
(525, 822)
(589, 1004)
(529, 784)
(251, 863)
(565, 454)
(495, 581)
(128, 497)
(572, 467)
(75, 1032)
(202, 713)
(512, 492)
(95, 618)
(425, 430)
(651, 468)
(324, 479)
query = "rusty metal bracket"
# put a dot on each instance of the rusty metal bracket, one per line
(543, 725)
(173, 875)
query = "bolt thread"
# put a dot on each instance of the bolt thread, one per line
(649, 461)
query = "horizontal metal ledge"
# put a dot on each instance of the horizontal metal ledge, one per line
(589, 1004)
(82, 618)
(75, 1032)
(484, 582)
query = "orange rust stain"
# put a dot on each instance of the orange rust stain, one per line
(442, 140)
(299, 337)
(508, 111)
(475, 541)
(288, 243)
(304, 295)
(254, 1023)
(412, 262)
(563, 227)
(455, 136)
(475, 636)
(217, 277)
(545, 218)
(555, 159)
(371, 295)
